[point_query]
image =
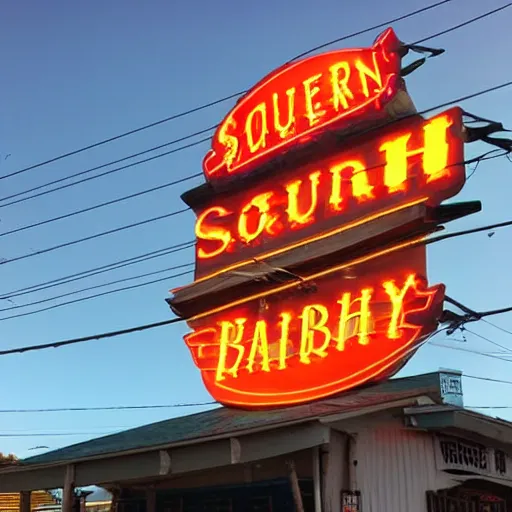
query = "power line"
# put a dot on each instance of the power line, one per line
(101, 205)
(472, 20)
(507, 349)
(103, 285)
(497, 326)
(485, 156)
(108, 408)
(111, 171)
(93, 237)
(95, 296)
(33, 289)
(218, 101)
(463, 24)
(99, 270)
(176, 320)
(488, 379)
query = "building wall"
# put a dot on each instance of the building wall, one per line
(395, 468)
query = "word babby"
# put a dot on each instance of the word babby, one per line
(295, 350)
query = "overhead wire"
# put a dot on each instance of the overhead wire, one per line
(110, 171)
(154, 219)
(472, 20)
(176, 320)
(12, 295)
(98, 270)
(220, 100)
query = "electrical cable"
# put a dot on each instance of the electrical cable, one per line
(472, 20)
(93, 237)
(103, 285)
(221, 100)
(108, 408)
(176, 320)
(99, 270)
(35, 288)
(497, 326)
(487, 379)
(95, 296)
(100, 205)
(506, 349)
(111, 171)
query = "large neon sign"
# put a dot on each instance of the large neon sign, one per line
(310, 271)
(299, 100)
(294, 347)
(411, 159)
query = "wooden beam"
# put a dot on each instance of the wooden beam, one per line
(68, 489)
(25, 501)
(150, 500)
(294, 482)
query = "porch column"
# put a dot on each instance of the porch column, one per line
(68, 489)
(25, 501)
(150, 500)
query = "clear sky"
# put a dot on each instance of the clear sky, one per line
(74, 73)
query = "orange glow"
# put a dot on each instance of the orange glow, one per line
(415, 159)
(331, 90)
(322, 348)
(311, 239)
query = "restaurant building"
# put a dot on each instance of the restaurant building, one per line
(403, 445)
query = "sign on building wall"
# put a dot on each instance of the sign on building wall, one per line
(321, 186)
(458, 455)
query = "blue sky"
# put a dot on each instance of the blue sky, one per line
(74, 73)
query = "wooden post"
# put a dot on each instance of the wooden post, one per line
(294, 481)
(25, 501)
(68, 489)
(150, 500)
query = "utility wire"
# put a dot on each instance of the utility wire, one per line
(506, 349)
(100, 205)
(194, 134)
(497, 326)
(95, 296)
(93, 237)
(98, 270)
(103, 285)
(218, 101)
(108, 408)
(130, 330)
(111, 171)
(154, 219)
(487, 379)
(83, 275)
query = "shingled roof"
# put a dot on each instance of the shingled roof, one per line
(223, 421)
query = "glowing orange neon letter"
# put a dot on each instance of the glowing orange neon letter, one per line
(340, 88)
(313, 112)
(293, 210)
(361, 188)
(314, 319)
(259, 346)
(261, 123)
(362, 323)
(230, 142)
(284, 130)
(435, 155)
(261, 205)
(284, 341)
(227, 340)
(211, 232)
(365, 72)
(397, 301)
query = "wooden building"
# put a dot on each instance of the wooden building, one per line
(404, 445)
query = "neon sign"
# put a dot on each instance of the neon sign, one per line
(417, 158)
(310, 273)
(301, 347)
(299, 100)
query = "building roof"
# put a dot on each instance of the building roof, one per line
(223, 421)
